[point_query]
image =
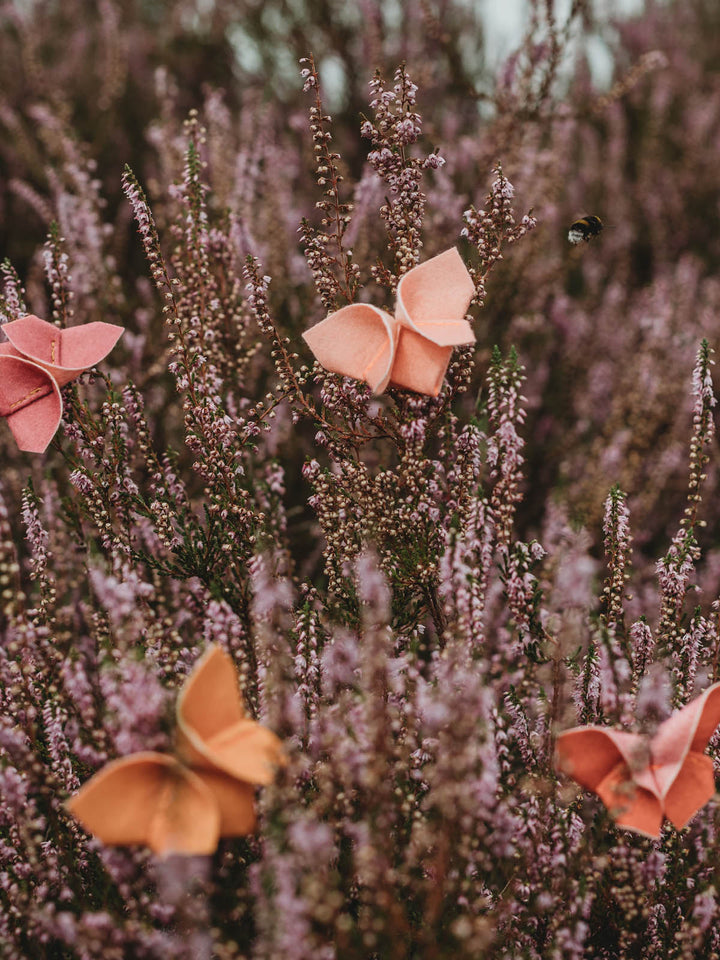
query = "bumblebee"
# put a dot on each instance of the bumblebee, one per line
(584, 228)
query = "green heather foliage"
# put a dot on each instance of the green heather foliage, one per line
(419, 593)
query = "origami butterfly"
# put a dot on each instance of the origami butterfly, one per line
(184, 804)
(641, 780)
(412, 349)
(37, 360)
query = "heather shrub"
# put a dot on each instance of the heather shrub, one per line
(419, 593)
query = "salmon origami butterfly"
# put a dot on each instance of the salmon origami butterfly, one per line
(37, 360)
(184, 804)
(412, 349)
(641, 780)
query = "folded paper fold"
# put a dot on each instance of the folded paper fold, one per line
(411, 349)
(643, 780)
(184, 804)
(35, 362)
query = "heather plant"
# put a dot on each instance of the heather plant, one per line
(418, 593)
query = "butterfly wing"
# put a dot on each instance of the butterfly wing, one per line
(64, 353)
(246, 750)
(209, 701)
(235, 800)
(433, 298)
(419, 364)
(357, 341)
(683, 772)
(632, 801)
(588, 754)
(34, 338)
(30, 401)
(614, 765)
(213, 731)
(149, 798)
(690, 790)
(83, 347)
(708, 717)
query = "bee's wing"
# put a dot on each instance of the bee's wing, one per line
(149, 798)
(64, 353)
(30, 401)
(611, 764)
(356, 341)
(213, 730)
(684, 773)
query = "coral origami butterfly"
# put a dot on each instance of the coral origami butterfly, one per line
(184, 804)
(411, 349)
(641, 780)
(38, 359)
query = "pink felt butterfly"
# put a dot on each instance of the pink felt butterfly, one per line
(39, 359)
(641, 780)
(411, 349)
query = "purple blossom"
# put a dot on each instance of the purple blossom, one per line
(412, 589)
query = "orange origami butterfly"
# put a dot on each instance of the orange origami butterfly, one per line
(184, 804)
(641, 780)
(35, 363)
(412, 349)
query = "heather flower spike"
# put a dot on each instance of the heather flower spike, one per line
(37, 360)
(184, 804)
(642, 780)
(411, 349)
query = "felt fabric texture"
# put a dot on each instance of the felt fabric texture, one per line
(213, 732)
(184, 804)
(37, 360)
(149, 798)
(411, 349)
(29, 400)
(235, 802)
(643, 780)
